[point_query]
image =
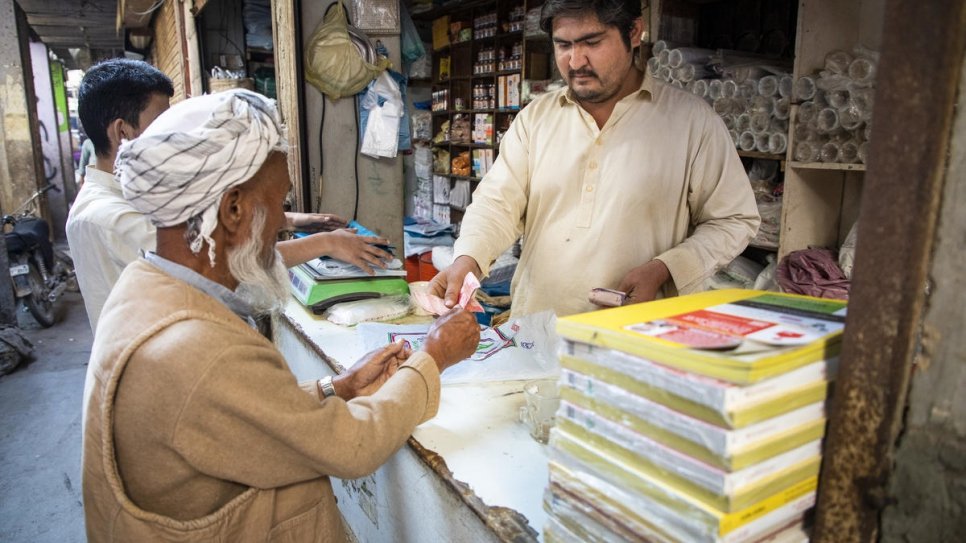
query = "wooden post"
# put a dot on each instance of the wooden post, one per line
(920, 70)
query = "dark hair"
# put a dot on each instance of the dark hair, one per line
(117, 89)
(617, 13)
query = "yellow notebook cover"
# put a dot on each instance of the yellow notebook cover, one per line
(808, 384)
(685, 476)
(740, 336)
(705, 443)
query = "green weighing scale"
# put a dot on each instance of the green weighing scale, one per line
(323, 282)
(319, 294)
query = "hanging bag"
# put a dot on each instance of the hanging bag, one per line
(334, 61)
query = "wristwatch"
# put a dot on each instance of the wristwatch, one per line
(326, 390)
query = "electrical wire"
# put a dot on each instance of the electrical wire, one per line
(148, 11)
(355, 113)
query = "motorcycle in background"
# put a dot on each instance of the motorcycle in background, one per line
(39, 272)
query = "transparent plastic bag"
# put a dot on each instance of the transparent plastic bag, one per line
(377, 309)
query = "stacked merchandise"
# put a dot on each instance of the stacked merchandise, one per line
(692, 419)
(752, 95)
(834, 118)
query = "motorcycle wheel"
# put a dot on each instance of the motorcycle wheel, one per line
(37, 303)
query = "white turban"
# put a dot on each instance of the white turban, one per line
(193, 153)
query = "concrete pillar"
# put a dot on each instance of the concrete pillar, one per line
(18, 166)
(18, 163)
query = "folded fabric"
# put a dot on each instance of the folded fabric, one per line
(813, 272)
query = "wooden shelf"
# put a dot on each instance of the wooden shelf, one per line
(827, 166)
(770, 248)
(759, 154)
(454, 176)
(473, 145)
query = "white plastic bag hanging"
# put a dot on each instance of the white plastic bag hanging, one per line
(383, 102)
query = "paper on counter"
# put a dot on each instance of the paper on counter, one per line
(523, 349)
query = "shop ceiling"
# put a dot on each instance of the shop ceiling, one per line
(85, 31)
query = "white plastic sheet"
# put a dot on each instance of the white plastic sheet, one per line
(383, 100)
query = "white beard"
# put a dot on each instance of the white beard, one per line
(265, 288)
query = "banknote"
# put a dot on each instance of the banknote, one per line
(434, 304)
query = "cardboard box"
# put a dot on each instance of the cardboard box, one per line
(440, 32)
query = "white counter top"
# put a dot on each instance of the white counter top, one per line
(476, 432)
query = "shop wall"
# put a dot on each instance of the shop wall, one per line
(168, 52)
(332, 164)
(18, 163)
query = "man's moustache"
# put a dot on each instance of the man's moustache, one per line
(583, 73)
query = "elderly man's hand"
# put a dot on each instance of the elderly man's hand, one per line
(376, 367)
(314, 222)
(452, 338)
(643, 282)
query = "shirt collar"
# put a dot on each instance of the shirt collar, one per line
(645, 92)
(102, 178)
(233, 301)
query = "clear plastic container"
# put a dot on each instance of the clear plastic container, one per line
(714, 89)
(761, 142)
(688, 55)
(782, 108)
(830, 152)
(724, 106)
(803, 132)
(863, 98)
(662, 56)
(786, 85)
(729, 89)
(664, 73)
(849, 152)
(827, 122)
(746, 141)
(777, 143)
(700, 88)
(806, 151)
(862, 71)
(743, 122)
(837, 98)
(763, 104)
(684, 72)
(805, 88)
(807, 112)
(760, 122)
(768, 86)
(838, 62)
(850, 118)
(748, 89)
(653, 65)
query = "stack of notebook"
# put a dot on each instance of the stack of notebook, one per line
(694, 419)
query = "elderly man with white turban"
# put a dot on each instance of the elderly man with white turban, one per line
(196, 429)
